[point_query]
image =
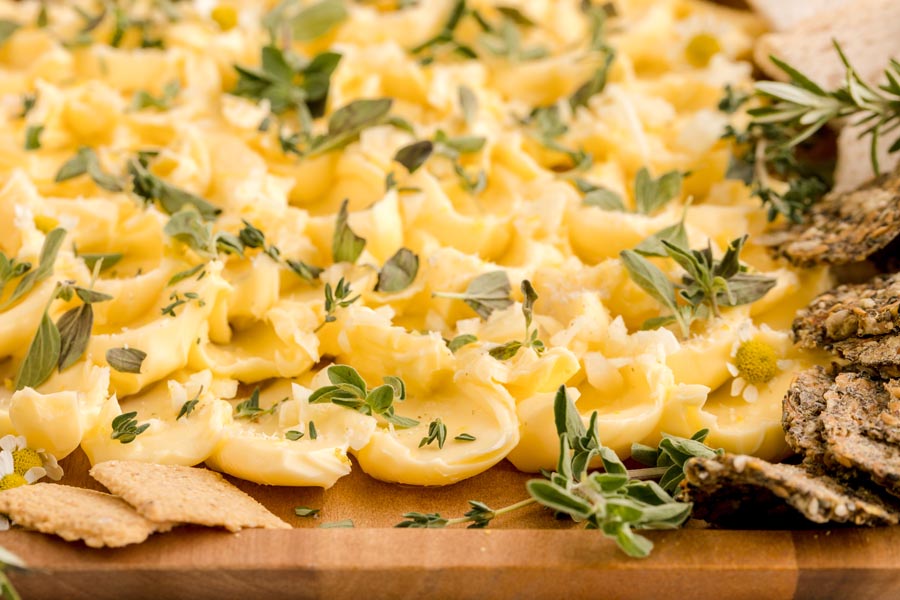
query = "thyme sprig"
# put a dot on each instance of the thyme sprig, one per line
(510, 349)
(616, 501)
(350, 390)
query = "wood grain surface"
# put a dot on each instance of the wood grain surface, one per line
(527, 554)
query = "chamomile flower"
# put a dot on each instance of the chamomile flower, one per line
(28, 460)
(757, 357)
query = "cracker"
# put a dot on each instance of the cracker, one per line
(801, 410)
(846, 227)
(866, 30)
(744, 490)
(781, 15)
(879, 354)
(860, 427)
(850, 311)
(74, 513)
(184, 495)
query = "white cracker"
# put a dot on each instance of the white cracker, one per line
(184, 495)
(784, 14)
(77, 514)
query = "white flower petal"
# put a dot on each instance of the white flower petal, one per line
(737, 385)
(733, 370)
(8, 443)
(34, 473)
(7, 464)
(751, 394)
(54, 471)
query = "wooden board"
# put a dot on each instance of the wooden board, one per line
(527, 554)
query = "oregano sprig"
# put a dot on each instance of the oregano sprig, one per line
(485, 293)
(350, 390)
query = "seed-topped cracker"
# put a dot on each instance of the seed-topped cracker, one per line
(73, 513)
(184, 495)
(801, 411)
(848, 311)
(845, 227)
(879, 354)
(860, 427)
(745, 491)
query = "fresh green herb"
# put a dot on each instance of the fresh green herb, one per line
(126, 360)
(307, 272)
(652, 194)
(172, 199)
(478, 516)
(143, 99)
(505, 40)
(42, 356)
(74, 328)
(125, 428)
(339, 297)
(177, 300)
(33, 137)
(11, 269)
(548, 125)
(311, 428)
(707, 284)
(186, 274)
(390, 182)
(414, 155)
(343, 524)
(803, 103)
(468, 102)
(452, 147)
(59, 345)
(596, 84)
(251, 237)
(510, 349)
(465, 437)
(674, 234)
(9, 560)
(49, 251)
(446, 36)
(86, 161)
(288, 82)
(105, 259)
(600, 197)
(293, 435)
(437, 432)
(29, 101)
(460, 341)
(672, 454)
(733, 100)
(318, 19)
(188, 407)
(250, 409)
(349, 389)
(486, 293)
(347, 122)
(305, 511)
(346, 246)
(399, 272)
(7, 28)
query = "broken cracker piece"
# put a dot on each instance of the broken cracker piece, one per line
(850, 311)
(740, 490)
(879, 354)
(74, 513)
(859, 425)
(184, 495)
(801, 410)
(845, 227)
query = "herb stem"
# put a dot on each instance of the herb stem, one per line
(649, 473)
(498, 512)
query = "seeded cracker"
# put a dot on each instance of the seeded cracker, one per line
(184, 495)
(845, 227)
(848, 311)
(77, 514)
(736, 489)
(860, 427)
(879, 354)
(802, 408)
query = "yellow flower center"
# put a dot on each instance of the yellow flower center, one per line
(226, 17)
(701, 48)
(45, 224)
(13, 480)
(756, 362)
(24, 459)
